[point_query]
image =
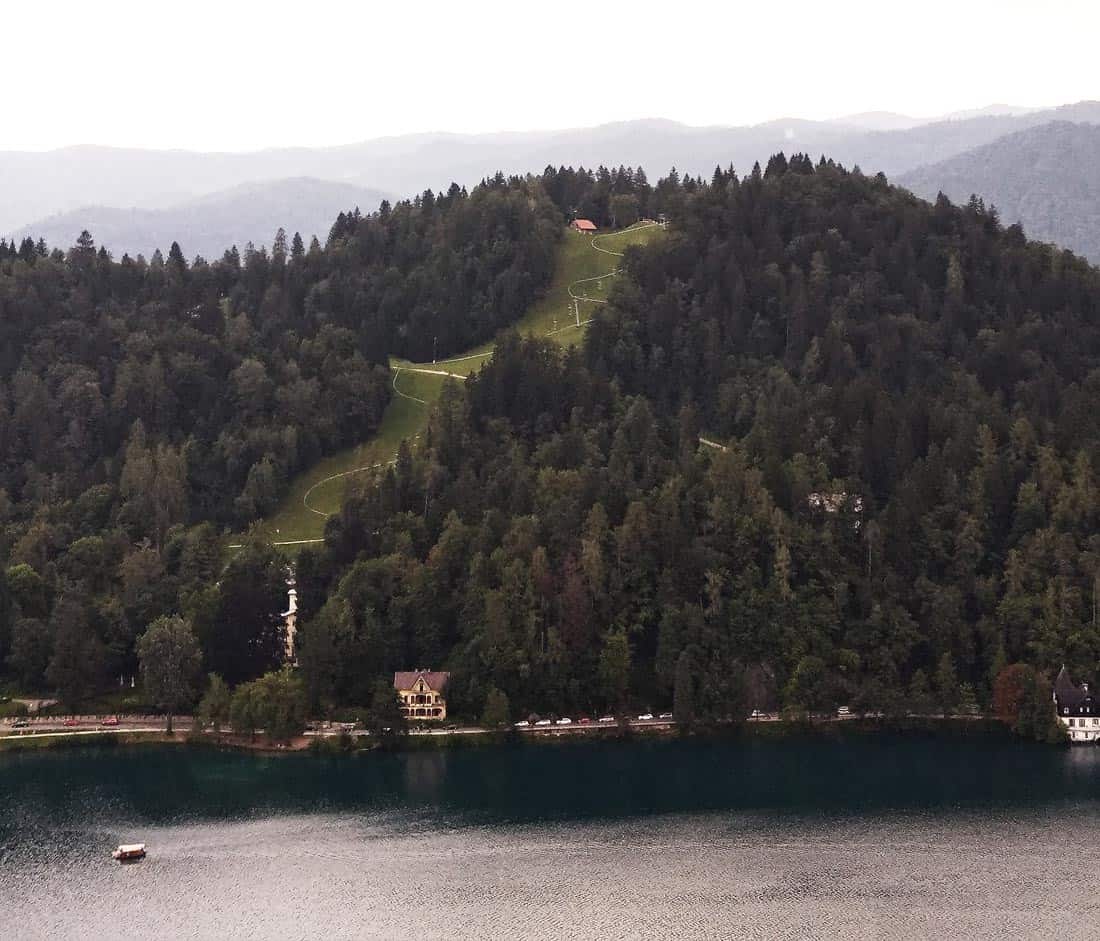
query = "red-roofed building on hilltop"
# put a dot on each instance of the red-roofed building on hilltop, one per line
(583, 225)
(421, 693)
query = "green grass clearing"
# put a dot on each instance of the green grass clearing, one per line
(316, 494)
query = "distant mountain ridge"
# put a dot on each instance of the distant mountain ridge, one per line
(207, 225)
(893, 121)
(1046, 177)
(34, 185)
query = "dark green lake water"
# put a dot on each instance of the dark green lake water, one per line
(642, 840)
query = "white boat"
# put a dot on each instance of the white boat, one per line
(128, 852)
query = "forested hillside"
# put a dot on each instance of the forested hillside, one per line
(905, 504)
(140, 398)
(897, 500)
(1047, 178)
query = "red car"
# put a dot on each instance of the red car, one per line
(110, 720)
(69, 723)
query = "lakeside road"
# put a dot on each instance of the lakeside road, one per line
(62, 727)
(55, 727)
(67, 727)
(553, 729)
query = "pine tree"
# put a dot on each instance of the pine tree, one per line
(921, 700)
(614, 669)
(176, 262)
(683, 697)
(213, 708)
(495, 715)
(947, 684)
(76, 668)
(279, 249)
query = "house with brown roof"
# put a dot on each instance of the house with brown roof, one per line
(583, 225)
(422, 694)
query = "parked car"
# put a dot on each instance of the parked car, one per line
(110, 720)
(843, 711)
(20, 724)
(756, 714)
(70, 722)
(665, 715)
(584, 720)
(645, 717)
(607, 719)
(522, 724)
(544, 722)
(565, 720)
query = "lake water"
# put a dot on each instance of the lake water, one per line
(883, 839)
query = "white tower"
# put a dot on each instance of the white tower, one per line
(290, 622)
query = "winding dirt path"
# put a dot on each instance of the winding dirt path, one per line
(325, 480)
(404, 395)
(600, 277)
(610, 235)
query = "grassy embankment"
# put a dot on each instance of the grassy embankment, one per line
(317, 493)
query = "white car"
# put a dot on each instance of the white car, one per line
(665, 715)
(543, 722)
(645, 717)
(843, 711)
(564, 721)
(756, 714)
(607, 719)
(522, 724)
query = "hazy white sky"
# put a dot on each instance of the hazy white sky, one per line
(239, 75)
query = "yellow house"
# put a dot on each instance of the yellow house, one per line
(421, 693)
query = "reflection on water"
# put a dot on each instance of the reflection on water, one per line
(649, 840)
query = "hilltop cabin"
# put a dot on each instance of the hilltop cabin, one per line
(1078, 710)
(583, 225)
(421, 693)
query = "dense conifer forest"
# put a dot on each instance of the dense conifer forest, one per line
(827, 444)
(904, 502)
(140, 399)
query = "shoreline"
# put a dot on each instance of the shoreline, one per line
(793, 731)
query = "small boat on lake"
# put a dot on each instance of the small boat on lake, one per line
(129, 852)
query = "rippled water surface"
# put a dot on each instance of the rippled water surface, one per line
(643, 840)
